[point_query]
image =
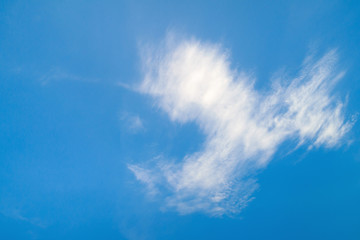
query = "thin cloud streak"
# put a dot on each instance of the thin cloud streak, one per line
(132, 122)
(192, 82)
(57, 74)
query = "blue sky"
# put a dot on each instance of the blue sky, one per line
(179, 120)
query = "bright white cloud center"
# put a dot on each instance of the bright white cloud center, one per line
(192, 82)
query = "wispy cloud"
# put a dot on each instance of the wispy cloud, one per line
(132, 122)
(16, 214)
(58, 74)
(125, 86)
(192, 82)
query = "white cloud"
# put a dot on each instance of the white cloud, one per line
(16, 214)
(58, 74)
(133, 123)
(192, 81)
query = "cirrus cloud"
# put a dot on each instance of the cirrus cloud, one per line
(192, 82)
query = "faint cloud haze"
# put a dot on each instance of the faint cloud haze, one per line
(132, 122)
(58, 74)
(17, 215)
(192, 82)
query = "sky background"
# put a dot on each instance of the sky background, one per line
(70, 122)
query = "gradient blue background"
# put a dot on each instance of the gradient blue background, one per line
(64, 144)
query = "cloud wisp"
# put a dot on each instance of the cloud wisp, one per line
(132, 122)
(192, 82)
